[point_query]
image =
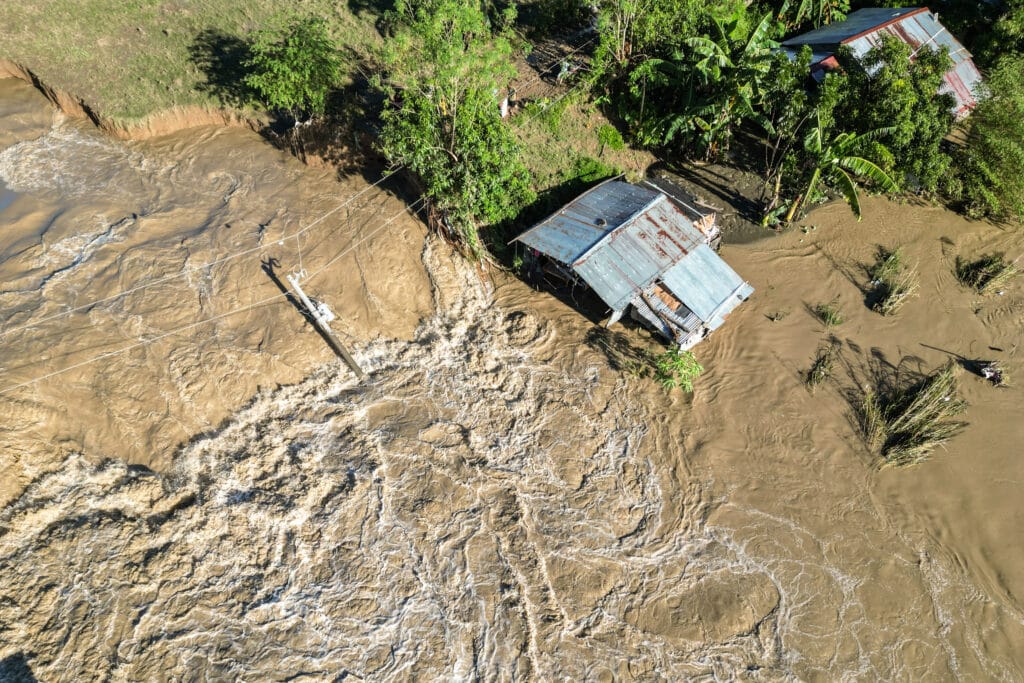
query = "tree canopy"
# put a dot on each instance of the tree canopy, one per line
(445, 77)
(294, 70)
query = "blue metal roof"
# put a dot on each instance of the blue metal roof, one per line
(583, 222)
(707, 285)
(638, 252)
(915, 26)
(868, 19)
(652, 240)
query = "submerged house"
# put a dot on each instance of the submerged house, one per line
(643, 252)
(916, 26)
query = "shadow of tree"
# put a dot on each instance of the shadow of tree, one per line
(622, 354)
(222, 58)
(15, 669)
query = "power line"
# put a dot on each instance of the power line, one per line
(241, 309)
(190, 269)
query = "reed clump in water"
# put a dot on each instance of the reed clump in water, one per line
(823, 364)
(893, 281)
(988, 274)
(829, 314)
(904, 425)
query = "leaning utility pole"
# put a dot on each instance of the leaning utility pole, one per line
(324, 327)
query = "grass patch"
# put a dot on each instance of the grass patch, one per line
(132, 59)
(829, 314)
(824, 362)
(904, 425)
(894, 283)
(988, 274)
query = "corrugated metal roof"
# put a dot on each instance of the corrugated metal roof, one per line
(915, 26)
(636, 254)
(707, 285)
(856, 23)
(583, 222)
(652, 239)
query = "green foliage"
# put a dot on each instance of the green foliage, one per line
(893, 282)
(445, 70)
(829, 314)
(885, 89)
(833, 163)
(295, 70)
(630, 30)
(988, 274)
(904, 425)
(676, 368)
(609, 136)
(991, 166)
(812, 13)
(697, 97)
(587, 171)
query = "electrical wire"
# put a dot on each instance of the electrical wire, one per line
(220, 316)
(190, 269)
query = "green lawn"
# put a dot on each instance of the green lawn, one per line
(130, 58)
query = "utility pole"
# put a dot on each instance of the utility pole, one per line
(324, 327)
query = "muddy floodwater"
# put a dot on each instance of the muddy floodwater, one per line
(195, 489)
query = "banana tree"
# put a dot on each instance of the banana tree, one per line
(707, 90)
(836, 163)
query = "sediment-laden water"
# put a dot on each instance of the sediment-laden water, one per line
(496, 501)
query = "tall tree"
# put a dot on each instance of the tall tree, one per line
(991, 166)
(897, 87)
(445, 76)
(293, 71)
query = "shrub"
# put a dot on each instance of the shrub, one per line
(676, 368)
(988, 274)
(295, 71)
(903, 426)
(991, 165)
(609, 137)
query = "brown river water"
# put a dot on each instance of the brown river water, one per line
(495, 502)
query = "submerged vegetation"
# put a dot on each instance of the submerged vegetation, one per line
(672, 368)
(829, 314)
(824, 362)
(903, 425)
(675, 368)
(894, 283)
(988, 274)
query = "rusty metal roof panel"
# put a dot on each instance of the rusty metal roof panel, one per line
(585, 221)
(706, 284)
(638, 252)
(915, 26)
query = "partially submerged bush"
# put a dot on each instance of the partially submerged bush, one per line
(988, 274)
(904, 425)
(894, 283)
(676, 368)
(829, 314)
(821, 369)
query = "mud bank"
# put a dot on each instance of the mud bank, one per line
(155, 125)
